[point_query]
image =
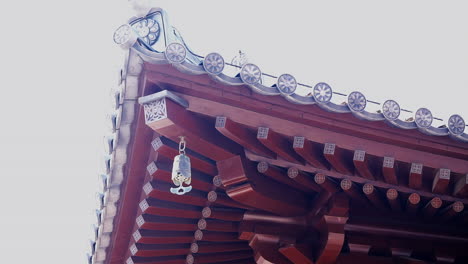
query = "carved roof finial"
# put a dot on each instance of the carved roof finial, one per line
(240, 60)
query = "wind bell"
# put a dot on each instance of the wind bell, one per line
(181, 171)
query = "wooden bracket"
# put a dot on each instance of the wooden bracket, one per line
(389, 169)
(362, 164)
(393, 200)
(335, 156)
(441, 181)
(243, 136)
(432, 207)
(415, 176)
(412, 203)
(461, 187)
(278, 144)
(310, 152)
(171, 120)
(246, 186)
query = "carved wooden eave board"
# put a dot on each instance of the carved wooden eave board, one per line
(277, 177)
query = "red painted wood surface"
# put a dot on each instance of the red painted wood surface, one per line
(212, 218)
(287, 126)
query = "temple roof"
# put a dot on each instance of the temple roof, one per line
(153, 44)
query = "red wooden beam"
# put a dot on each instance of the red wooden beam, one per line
(209, 247)
(409, 260)
(331, 227)
(310, 152)
(329, 188)
(352, 191)
(221, 199)
(171, 120)
(162, 237)
(266, 249)
(389, 169)
(326, 183)
(303, 179)
(156, 260)
(359, 248)
(401, 252)
(393, 200)
(444, 255)
(461, 187)
(360, 245)
(415, 176)
(373, 195)
(225, 214)
(158, 250)
(441, 181)
(217, 182)
(405, 152)
(425, 234)
(335, 156)
(247, 187)
(279, 175)
(160, 190)
(297, 254)
(432, 207)
(216, 225)
(128, 206)
(452, 210)
(362, 165)
(155, 222)
(213, 236)
(247, 229)
(251, 216)
(278, 144)
(242, 136)
(412, 203)
(170, 149)
(171, 209)
(359, 180)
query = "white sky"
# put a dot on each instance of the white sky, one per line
(59, 64)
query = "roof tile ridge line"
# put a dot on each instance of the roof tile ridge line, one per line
(369, 116)
(115, 163)
(181, 52)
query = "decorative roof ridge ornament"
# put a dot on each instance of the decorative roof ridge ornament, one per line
(240, 59)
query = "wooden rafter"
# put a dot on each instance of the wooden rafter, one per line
(246, 186)
(173, 121)
(362, 164)
(389, 168)
(278, 144)
(336, 157)
(242, 135)
(441, 181)
(279, 175)
(311, 152)
(356, 179)
(168, 148)
(415, 176)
